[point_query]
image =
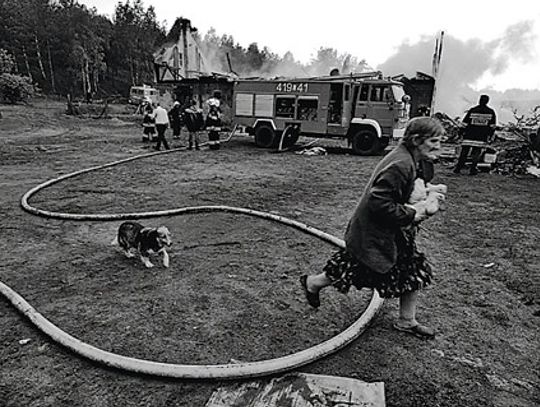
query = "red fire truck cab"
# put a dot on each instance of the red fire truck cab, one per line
(366, 109)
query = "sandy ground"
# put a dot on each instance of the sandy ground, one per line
(231, 291)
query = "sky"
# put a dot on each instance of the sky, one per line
(489, 45)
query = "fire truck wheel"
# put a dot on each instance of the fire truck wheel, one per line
(365, 142)
(264, 136)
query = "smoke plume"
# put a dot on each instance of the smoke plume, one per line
(464, 63)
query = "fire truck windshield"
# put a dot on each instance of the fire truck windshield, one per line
(398, 92)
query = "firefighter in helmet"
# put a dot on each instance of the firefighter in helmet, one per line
(213, 120)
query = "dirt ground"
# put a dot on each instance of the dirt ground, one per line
(232, 289)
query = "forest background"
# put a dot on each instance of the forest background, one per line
(64, 47)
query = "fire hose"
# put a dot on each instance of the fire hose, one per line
(185, 371)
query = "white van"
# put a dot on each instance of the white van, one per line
(138, 94)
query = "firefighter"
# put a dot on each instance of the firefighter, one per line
(149, 122)
(213, 120)
(175, 118)
(480, 123)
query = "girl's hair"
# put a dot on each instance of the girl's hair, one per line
(420, 129)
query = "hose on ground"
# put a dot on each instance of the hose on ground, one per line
(185, 371)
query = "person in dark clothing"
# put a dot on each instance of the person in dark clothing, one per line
(175, 118)
(480, 123)
(149, 123)
(213, 120)
(380, 250)
(194, 123)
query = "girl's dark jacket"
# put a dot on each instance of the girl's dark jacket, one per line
(371, 233)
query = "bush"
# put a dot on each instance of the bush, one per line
(7, 62)
(15, 88)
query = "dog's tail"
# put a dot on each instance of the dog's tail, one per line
(114, 242)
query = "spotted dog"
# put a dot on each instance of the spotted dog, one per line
(133, 236)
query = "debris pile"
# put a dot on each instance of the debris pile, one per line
(523, 155)
(518, 151)
(513, 160)
(453, 127)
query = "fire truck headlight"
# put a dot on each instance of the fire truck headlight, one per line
(406, 99)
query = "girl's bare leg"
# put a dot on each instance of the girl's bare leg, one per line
(317, 281)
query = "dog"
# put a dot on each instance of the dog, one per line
(132, 236)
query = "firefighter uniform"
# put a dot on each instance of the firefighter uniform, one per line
(213, 121)
(480, 121)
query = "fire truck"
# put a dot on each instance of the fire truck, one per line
(366, 109)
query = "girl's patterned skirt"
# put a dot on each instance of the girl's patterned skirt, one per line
(410, 273)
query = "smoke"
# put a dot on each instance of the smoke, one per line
(214, 61)
(256, 62)
(464, 63)
(518, 41)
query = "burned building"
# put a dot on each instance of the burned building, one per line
(183, 73)
(180, 56)
(420, 88)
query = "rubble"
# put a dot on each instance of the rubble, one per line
(453, 127)
(517, 149)
(513, 160)
(519, 145)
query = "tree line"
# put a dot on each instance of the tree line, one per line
(64, 47)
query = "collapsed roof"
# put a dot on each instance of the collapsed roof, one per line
(180, 56)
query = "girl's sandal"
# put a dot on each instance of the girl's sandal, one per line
(312, 298)
(420, 331)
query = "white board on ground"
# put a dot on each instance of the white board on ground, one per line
(300, 390)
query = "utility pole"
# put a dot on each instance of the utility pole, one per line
(435, 68)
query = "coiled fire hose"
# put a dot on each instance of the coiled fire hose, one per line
(185, 371)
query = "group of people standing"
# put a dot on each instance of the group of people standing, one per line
(157, 119)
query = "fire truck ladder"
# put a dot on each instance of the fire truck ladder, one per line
(353, 76)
